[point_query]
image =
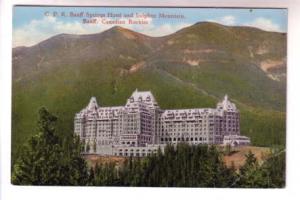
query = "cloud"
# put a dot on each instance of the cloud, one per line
(260, 22)
(162, 30)
(227, 20)
(39, 30)
(264, 24)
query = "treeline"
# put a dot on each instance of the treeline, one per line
(191, 166)
(50, 160)
(183, 166)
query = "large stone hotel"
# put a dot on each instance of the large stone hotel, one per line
(141, 127)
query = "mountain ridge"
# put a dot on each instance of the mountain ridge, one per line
(157, 43)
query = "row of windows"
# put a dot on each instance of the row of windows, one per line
(186, 129)
(181, 133)
(129, 143)
(138, 150)
(146, 139)
(104, 142)
(179, 125)
(128, 137)
(109, 124)
(182, 139)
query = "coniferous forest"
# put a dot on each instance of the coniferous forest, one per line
(49, 159)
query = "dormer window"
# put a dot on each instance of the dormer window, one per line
(148, 98)
(131, 100)
(140, 99)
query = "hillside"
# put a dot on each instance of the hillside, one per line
(193, 67)
(237, 157)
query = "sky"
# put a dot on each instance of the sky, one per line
(32, 25)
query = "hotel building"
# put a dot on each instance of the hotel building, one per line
(141, 127)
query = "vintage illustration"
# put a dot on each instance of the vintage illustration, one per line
(159, 97)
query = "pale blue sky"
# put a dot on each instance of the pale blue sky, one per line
(30, 25)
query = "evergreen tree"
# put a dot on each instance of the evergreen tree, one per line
(87, 147)
(274, 169)
(46, 160)
(91, 180)
(227, 149)
(250, 173)
(94, 146)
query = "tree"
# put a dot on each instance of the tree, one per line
(87, 147)
(91, 180)
(47, 160)
(228, 149)
(251, 175)
(276, 168)
(273, 169)
(94, 146)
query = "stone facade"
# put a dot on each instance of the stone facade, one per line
(141, 126)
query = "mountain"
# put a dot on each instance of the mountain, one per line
(206, 42)
(194, 67)
(76, 49)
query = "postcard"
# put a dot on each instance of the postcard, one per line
(149, 96)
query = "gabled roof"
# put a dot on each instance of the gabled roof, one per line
(92, 104)
(142, 97)
(226, 105)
